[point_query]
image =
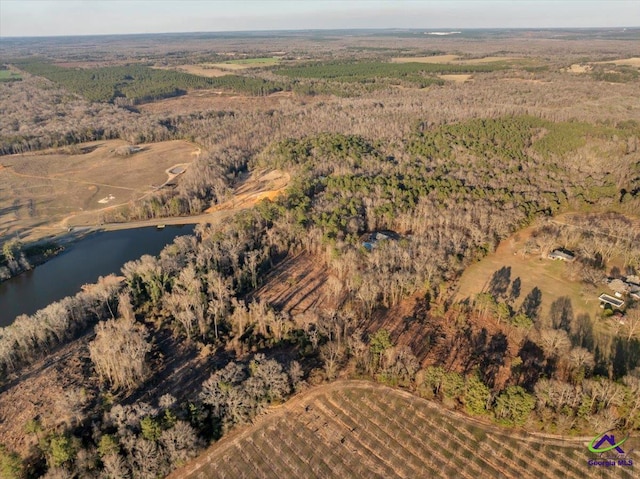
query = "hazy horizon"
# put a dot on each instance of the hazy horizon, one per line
(37, 18)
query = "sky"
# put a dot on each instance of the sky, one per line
(90, 17)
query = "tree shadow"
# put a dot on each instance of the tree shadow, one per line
(582, 334)
(532, 365)
(516, 289)
(531, 304)
(561, 314)
(499, 282)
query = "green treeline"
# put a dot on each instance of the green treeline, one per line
(370, 72)
(139, 83)
(492, 161)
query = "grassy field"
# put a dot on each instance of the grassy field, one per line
(8, 75)
(354, 429)
(53, 189)
(549, 276)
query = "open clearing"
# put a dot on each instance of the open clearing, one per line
(353, 429)
(576, 68)
(245, 63)
(253, 188)
(8, 75)
(203, 70)
(548, 275)
(633, 62)
(457, 78)
(296, 285)
(40, 190)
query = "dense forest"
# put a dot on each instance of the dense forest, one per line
(152, 365)
(135, 84)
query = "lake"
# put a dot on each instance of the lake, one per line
(83, 262)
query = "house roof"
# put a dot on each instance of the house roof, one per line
(605, 298)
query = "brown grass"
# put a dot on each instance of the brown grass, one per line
(549, 276)
(352, 429)
(458, 78)
(42, 189)
(576, 68)
(633, 62)
(203, 70)
(235, 66)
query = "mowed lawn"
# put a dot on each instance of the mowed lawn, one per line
(43, 188)
(549, 276)
(358, 429)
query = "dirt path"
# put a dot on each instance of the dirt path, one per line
(254, 188)
(53, 178)
(267, 184)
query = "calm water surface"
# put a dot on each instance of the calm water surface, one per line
(97, 255)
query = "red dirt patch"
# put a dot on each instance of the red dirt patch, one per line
(296, 285)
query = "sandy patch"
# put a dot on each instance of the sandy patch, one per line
(267, 184)
(634, 62)
(200, 70)
(456, 78)
(575, 68)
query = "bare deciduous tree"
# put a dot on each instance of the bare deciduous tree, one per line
(119, 353)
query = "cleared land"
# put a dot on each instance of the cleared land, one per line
(633, 62)
(56, 188)
(353, 429)
(456, 78)
(244, 63)
(260, 185)
(296, 285)
(534, 271)
(8, 75)
(203, 70)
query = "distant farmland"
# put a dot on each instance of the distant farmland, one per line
(9, 76)
(357, 429)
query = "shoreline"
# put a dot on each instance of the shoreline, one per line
(65, 240)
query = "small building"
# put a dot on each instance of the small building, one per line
(371, 240)
(562, 255)
(610, 300)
